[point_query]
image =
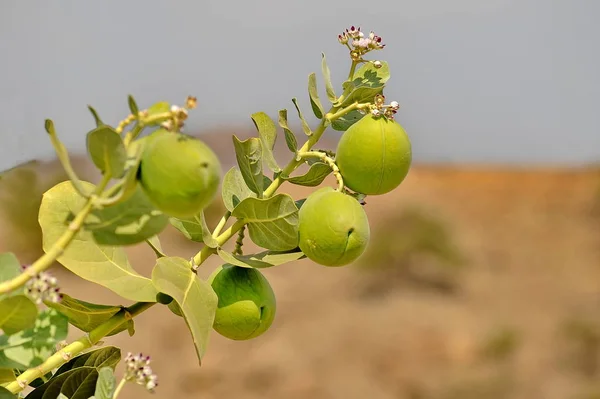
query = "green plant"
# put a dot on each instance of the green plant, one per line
(168, 177)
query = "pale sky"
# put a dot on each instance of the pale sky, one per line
(494, 81)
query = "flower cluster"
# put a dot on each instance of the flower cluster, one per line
(386, 110)
(137, 369)
(179, 115)
(42, 287)
(358, 43)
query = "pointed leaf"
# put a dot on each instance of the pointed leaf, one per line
(6, 394)
(267, 133)
(290, 138)
(249, 157)
(133, 106)
(17, 313)
(106, 384)
(272, 222)
(367, 83)
(104, 265)
(305, 126)
(327, 78)
(79, 383)
(107, 150)
(154, 243)
(96, 117)
(316, 174)
(161, 107)
(195, 297)
(343, 123)
(108, 356)
(313, 93)
(85, 315)
(234, 189)
(261, 260)
(195, 229)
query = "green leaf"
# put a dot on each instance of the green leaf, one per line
(234, 189)
(107, 266)
(79, 383)
(161, 107)
(85, 315)
(107, 150)
(29, 348)
(126, 223)
(261, 260)
(267, 133)
(62, 396)
(106, 384)
(17, 313)
(249, 157)
(316, 174)
(272, 222)
(313, 93)
(195, 229)
(96, 117)
(305, 125)
(327, 77)
(6, 375)
(300, 202)
(10, 267)
(6, 394)
(108, 356)
(133, 106)
(196, 298)
(367, 83)
(290, 138)
(343, 123)
(154, 243)
(135, 151)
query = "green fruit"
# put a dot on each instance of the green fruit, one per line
(179, 173)
(333, 228)
(374, 155)
(246, 307)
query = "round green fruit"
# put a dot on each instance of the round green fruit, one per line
(179, 173)
(333, 228)
(247, 305)
(374, 155)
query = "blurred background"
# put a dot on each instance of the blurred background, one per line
(482, 278)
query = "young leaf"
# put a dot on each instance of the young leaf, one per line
(106, 384)
(6, 394)
(249, 157)
(234, 189)
(133, 106)
(195, 229)
(272, 222)
(367, 83)
(161, 107)
(85, 315)
(107, 150)
(79, 383)
(327, 77)
(126, 223)
(267, 132)
(290, 138)
(96, 117)
(261, 260)
(108, 356)
(17, 313)
(343, 123)
(29, 348)
(316, 174)
(104, 265)
(195, 297)
(305, 125)
(313, 93)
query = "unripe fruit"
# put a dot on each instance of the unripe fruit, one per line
(374, 155)
(179, 173)
(333, 228)
(247, 305)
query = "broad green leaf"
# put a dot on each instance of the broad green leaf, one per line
(6, 375)
(267, 133)
(108, 356)
(313, 93)
(10, 267)
(195, 229)
(126, 223)
(6, 394)
(195, 297)
(161, 107)
(234, 190)
(96, 117)
(133, 107)
(249, 157)
(316, 174)
(175, 308)
(106, 384)
(327, 78)
(79, 383)
(107, 150)
(290, 138)
(367, 83)
(305, 126)
(272, 222)
(85, 315)
(343, 123)
(261, 260)
(107, 266)
(17, 313)
(29, 348)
